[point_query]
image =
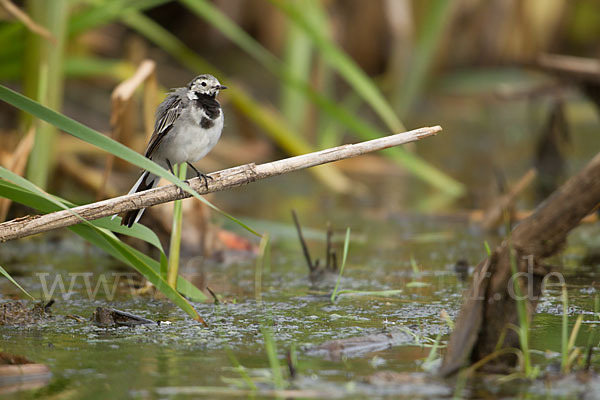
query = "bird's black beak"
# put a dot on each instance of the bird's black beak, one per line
(221, 87)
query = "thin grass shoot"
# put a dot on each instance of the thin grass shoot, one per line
(344, 257)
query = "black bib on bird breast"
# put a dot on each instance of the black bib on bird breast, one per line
(209, 104)
(211, 108)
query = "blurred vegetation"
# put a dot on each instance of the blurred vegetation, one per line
(331, 66)
(303, 75)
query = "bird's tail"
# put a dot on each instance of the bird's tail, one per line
(146, 181)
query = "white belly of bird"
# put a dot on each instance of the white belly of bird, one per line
(188, 141)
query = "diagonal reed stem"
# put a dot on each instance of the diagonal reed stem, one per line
(222, 180)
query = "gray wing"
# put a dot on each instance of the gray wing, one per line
(166, 114)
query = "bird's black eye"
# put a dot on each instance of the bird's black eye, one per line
(203, 84)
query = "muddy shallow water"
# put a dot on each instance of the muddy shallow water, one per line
(183, 359)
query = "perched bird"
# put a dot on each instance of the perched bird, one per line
(188, 125)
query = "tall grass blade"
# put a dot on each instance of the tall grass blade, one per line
(285, 137)
(488, 251)
(212, 15)
(523, 328)
(75, 67)
(262, 261)
(564, 330)
(572, 351)
(461, 383)
(575, 332)
(434, 349)
(44, 78)
(175, 244)
(343, 64)
(240, 369)
(271, 350)
(7, 276)
(406, 90)
(297, 62)
(344, 257)
(446, 317)
(330, 130)
(415, 267)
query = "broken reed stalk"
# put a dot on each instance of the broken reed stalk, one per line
(573, 67)
(122, 102)
(26, 20)
(17, 162)
(505, 205)
(489, 306)
(222, 180)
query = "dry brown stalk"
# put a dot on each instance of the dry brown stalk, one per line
(27, 21)
(17, 163)
(221, 180)
(494, 215)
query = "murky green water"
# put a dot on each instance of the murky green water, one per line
(182, 359)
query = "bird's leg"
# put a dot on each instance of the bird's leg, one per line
(170, 166)
(201, 176)
(173, 172)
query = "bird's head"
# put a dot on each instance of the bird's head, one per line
(204, 84)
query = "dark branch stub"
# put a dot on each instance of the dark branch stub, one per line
(330, 255)
(311, 266)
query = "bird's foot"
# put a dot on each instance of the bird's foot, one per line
(205, 178)
(201, 176)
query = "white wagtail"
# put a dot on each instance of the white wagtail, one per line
(188, 125)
